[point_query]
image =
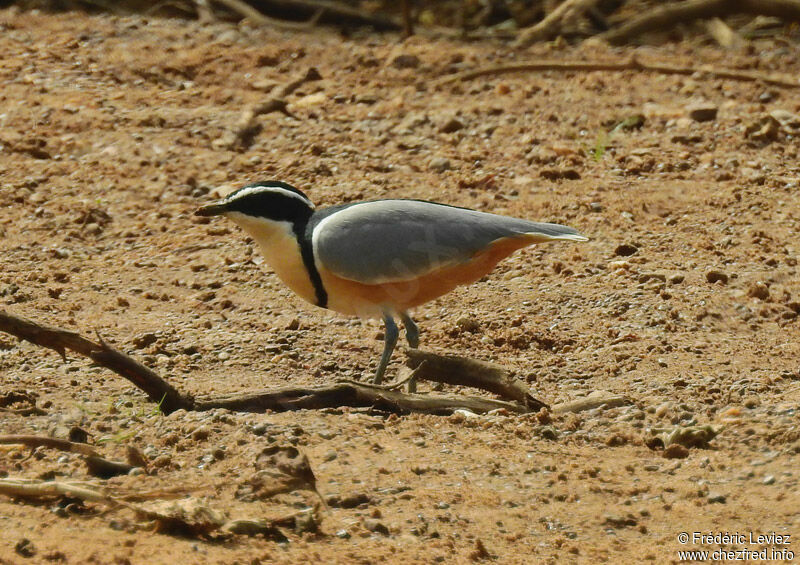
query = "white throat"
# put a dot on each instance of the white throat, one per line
(281, 251)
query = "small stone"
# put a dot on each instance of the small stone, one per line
(702, 112)
(677, 278)
(201, 433)
(767, 96)
(25, 548)
(480, 553)
(343, 534)
(406, 61)
(468, 324)
(619, 265)
(223, 355)
(293, 325)
(676, 451)
(769, 480)
(349, 501)
(440, 164)
(625, 250)
(144, 340)
(376, 526)
(305, 522)
(758, 290)
(616, 521)
(452, 125)
(717, 498)
(162, 461)
(714, 276)
(546, 432)
(663, 409)
(558, 174)
(764, 129)
(93, 228)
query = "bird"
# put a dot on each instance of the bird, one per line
(376, 258)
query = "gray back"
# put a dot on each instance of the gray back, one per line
(397, 240)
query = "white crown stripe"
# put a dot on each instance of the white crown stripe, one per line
(266, 188)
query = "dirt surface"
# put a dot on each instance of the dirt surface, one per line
(685, 299)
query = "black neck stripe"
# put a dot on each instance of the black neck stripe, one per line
(307, 253)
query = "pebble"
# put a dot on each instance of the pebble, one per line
(625, 250)
(758, 290)
(468, 324)
(349, 501)
(201, 433)
(223, 355)
(717, 498)
(557, 174)
(452, 125)
(676, 451)
(769, 480)
(677, 278)
(25, 548)
(715, 276)
(663, 409)
(616, 521)
(376, 526)
(546, 432)
(144, 340)
(406, 61)
(703, 112)
(440, 164)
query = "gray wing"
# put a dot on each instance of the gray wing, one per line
(399, 240)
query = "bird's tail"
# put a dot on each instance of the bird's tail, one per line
(540, 232)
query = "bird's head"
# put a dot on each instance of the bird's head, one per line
(267, 202)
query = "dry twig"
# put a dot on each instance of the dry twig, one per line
(246, 129)
(59, 340)
(553, 24)
(251, 14)
(631, 64)
(596, 399)
(670, 14)
(169, 399)
(464, 371)
(341, 13)
(185, 516)
(97, 465)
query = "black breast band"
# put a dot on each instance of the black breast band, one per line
(307, 253)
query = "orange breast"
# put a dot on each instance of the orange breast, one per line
(370, 300)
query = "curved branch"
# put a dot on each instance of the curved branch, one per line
(671, 14)
(169, 399)
(631, 64)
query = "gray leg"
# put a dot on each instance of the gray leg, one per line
(390, 340)
(412, 331)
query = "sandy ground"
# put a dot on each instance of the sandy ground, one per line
(685, 300)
